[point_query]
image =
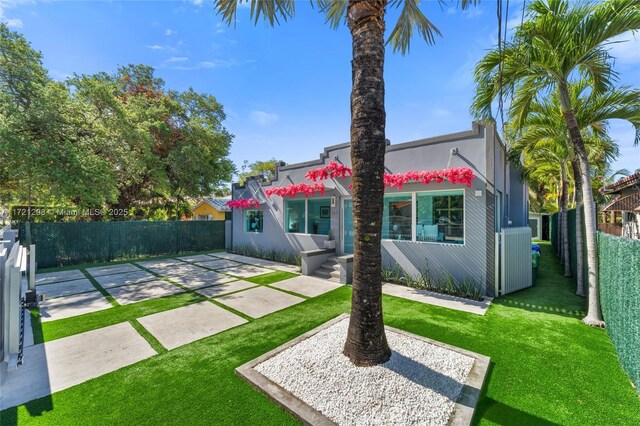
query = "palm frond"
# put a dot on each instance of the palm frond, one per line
(270, 11)
(411, 17)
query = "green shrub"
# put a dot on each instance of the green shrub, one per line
(268, 254)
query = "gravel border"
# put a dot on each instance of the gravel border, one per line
(425, 382)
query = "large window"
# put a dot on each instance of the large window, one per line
(319, 216)
(294, 220)
(308, 216)
(253, 221)
(396, 217)
(440, 217)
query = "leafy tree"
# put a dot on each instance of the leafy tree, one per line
(266, 170)
(366, 340)
(161, 145)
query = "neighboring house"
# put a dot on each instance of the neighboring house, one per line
(440, 226)
(540, 224)
(210, 209)
(625, 205)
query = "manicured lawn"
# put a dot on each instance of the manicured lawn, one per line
(547, 368)
(271, 277)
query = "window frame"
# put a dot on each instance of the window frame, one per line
(414, 216)
(245, 221)
(306, 216)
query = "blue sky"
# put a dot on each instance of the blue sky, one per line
(286, 89)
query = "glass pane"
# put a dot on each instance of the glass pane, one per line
(396, 217)
(253, 221)
(319, 216)
(294, 216)
(440, 217)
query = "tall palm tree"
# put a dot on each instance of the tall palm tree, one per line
(366, 342)
(559, 42)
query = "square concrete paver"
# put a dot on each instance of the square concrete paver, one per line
(219, 290)
(71, 306)
(307, 286)
(53, 366)
(204, 279)
(218, 263)
(116, 280)
(245, 271)
(258, 262)
(159, 263)
(260, 301)
(112, 269)
(65, 288)
(133, 293)
(195, 258)
(176, 270)
(184, 325)
(52, 277)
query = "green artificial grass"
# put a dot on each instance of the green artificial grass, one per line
(271, 277)
(546, 366)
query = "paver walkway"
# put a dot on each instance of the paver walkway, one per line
(64, 288)
(307, 286)
(71, 306)
(437, 299)
(259, 301)
(52, 366)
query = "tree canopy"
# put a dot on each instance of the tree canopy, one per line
(104, 140)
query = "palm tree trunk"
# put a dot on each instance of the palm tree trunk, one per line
(594, 314)
(564, 200)
(575, 165)
(366, 342)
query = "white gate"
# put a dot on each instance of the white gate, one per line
(514, 249)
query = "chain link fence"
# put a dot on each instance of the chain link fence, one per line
(70, 243)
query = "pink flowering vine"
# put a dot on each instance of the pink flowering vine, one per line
(293, 190)
(331, 170)
(243, 204)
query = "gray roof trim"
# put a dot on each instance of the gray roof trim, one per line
(320, 161)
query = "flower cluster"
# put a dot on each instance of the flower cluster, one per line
(331, 170)
(243, 204)
(292, 190)
(462, 175)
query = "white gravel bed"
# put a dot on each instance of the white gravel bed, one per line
(417, 386)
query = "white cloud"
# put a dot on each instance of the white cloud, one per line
(441, 112)
(197, 2)
(452, 11)
(211, 64)
(13, 22)
(220, 27)
(473, 12)
(626, 48)
(177, 59)
(169, 32)
(263, 118)
(159, 47)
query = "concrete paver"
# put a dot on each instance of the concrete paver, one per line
(219, 290)
(307, 286)
(65, 288)
(71, 306)
(260, 301)
(52, 277)
(195, 258)
(175, 270)
(218, 263)
(204, 279)
(53, 366)
(245, 271)
(133, 293)
(187, 324)
(112, 269)
(478, 307)
(159, 263)
(108, 281)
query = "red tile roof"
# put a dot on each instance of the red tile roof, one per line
(622, 183)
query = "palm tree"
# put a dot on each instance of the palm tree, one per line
(559, 42)
(545, 123)
(366, 342)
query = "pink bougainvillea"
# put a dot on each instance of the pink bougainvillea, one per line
(293, 190)
(331, 170)
(243, 204)
(463, 175)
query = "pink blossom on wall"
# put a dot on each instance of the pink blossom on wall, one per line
(293, 190)
(243, 204)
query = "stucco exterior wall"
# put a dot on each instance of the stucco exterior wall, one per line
(205, 209)
(478, 148)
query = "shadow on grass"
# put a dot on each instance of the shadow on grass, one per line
(501, 414)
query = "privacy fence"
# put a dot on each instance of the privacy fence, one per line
(619, 280)
(69, 243)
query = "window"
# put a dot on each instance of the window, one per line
(440, 217)
(253, 221)
(294, 220)
(396, 217)
(319, 216)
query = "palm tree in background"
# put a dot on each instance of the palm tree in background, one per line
(560, 42)
(366, 342)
